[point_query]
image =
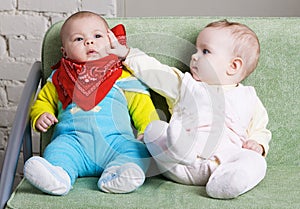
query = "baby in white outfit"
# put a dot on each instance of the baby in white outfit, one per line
(217, 135)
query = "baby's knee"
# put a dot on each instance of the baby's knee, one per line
(155, 131)
(253, 161)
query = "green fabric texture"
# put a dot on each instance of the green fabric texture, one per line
(161, 193)
(171, 40)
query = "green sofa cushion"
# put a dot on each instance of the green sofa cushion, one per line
(171, 40)
(158, 192)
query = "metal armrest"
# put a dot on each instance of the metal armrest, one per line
(20, 133)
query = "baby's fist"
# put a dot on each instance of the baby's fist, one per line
(253, 145)
(45, 121)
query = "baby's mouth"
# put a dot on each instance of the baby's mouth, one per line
(193, 70)
(91, 52)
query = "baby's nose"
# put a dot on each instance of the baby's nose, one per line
(195, 57)
(89, 41)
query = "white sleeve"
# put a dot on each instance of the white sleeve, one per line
(161, 78)
(257, 129)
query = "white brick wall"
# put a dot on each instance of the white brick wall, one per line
(7, 5)
(49, 6)
(23, 24)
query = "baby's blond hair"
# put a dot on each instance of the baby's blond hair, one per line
(245, 43)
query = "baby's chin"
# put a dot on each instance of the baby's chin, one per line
(94, 57)
(195, 77)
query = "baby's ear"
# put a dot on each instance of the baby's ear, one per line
(62, 49)
(235, 66)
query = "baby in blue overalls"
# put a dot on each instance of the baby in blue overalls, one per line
(92, 101)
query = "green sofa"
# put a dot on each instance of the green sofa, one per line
(171, 40)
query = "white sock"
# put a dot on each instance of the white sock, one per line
(243, 173)
(121, 179)
(46, 177)
(229, 183)
(155, 137)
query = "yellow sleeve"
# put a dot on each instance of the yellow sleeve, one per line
(46, 102)
(257, 129)
(141, 109)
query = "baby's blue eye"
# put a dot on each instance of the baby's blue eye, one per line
(78, 39)
(205, 51)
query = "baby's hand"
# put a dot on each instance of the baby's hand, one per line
(45, 121)
(253, 145)
(115, 47)
(140, 137)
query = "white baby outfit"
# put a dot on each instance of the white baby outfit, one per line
(202, 143)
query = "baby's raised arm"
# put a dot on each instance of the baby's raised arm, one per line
(161, 78)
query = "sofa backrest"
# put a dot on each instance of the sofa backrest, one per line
(172, 41)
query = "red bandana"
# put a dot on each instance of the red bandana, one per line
(86, 84)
